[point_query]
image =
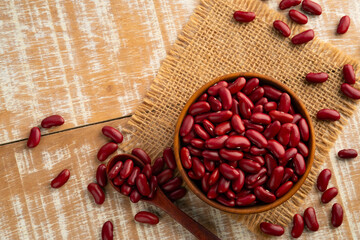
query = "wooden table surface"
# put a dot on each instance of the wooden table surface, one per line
(92, 62)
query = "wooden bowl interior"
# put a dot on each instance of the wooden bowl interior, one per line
(299, 107)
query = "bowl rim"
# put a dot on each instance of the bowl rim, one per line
(300, 107)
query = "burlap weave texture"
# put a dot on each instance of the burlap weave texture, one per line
(212, 44)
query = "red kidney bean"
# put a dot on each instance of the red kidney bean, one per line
(205, 186)
(270, 163)
(188, 137)
(294, 178)
(244, 110)
(147, 171)
(299, 164)
(237, 142)
(169, 158)
(249, 166)
(271, 229)
(187, 125)
(235, 107)
(258, 109)
(106, 150)
(125, 189)
(135, 196)
(146, 217)
(118, 181)
(257, 94)
(304, 129)
(225, 201)
(310, 219)
(192, 175)
(142, 185)
(101, 177)
(195, 151)
(238, 183)
(344, 25)
(298, 226)
(294, 136)
(329, 194)
(164, 176)
(34, 137)
(256, 138)
(311, 7)
(241, 16)
(289, 154)
(349, 74)
(230, 194)
(282, 27)
(185, 158)
(337, 215)
(199, 107)
(127, 169)
(177, 194)
(284, 103)
(228, 171)
(142, 155)
(250, 86)
(250, 125)
(209, 127)
(328, 114)
(272, 130)
(200, 131)
(197, 143)
(350, 91)
(258, 159)
(224, 185)
(114, 171)
(276, 148)
(303, 37)
(212, 193)
(172, 184)
(153, 186)
(257, 151)
(243, 98)
(198, 167)
(113, 133)
(215, 104)
(134, 174)
(237, 124)
(237, 85)
(221, 116)
(226, 99)
(262, 101)
(298, 17)
(297, 118)
(347, 153)
(209, 165)
(269, 106)
(97, 193)
(288, 173)
(284, 134)
(257, 183)
(214, 177)
(61, 179)
(276, 177)
(250, 179)
(199, 118)
(222, 128)
(203, 97)
(51, 121)
(272, 93)
(107, 231)
(231, 155)
(283, 189)
(317, 77)
(284, 4)
(243, 193)
(303, 149)
(260, 118)
(211, 155)
(214, 90)
(281, 116)
(323, 180)
(245, 200)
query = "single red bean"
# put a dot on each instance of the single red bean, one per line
(288, 173)
(222, 128)
(303, 149)
(164, 176)
(250, 86)
(272, 93)
(214, 90)
(177, 194)
(310, 219)
(214, 177)
(237, 124)
(235, 107)
(224, 185)
(276, 148)
(294, 136)
(276, 177)
(172, 184)
(303, 37)
(212, 193)
(61, 179)
(317, 77)
(271, 229)
(153, 186)
(230, 194)
(101, 177)
(298, 226)
(188, 137)
(209, 165)
(215, 104)
(256, 138)
(238, 183)
(146, 217)
(201, 117)
(262, 101)
(226, 99)
(158, 165)
(328, 114)
(272, 130)
(205, 186)
(211, 155)
(228, 171)
(243, 193)
(350, 91)
(127, 169)
(258, 109)
(289, 154)
(337, 215)
(244, 110)
(257, 151)
(106, 150)
(245, 200)
(264, 195)
(169, 158)
(270, 163)
(269, 106)
(199, 108)
(107, 231)
(197, 143)
(125, 189)
(349, 74)
(347, 153)
(209, 127)
(114, 171)
(195, 151)
(261, 181)
(311, 7)
(221, 116)
(304, 129)
(329, 194)
(198, 167)
(237, 142)
(298, 17)
(237, 85)
(281, 116)
(282, 27)
(284, 134)
(34, 137)
(231, 155)
(258, 159)
(147, 171)
(118, 181)
(142, 155)
(344, 25)
(201, 132)
(257, 94)
(186, 125)
(299, 164)
(250, 125)
(134, 174)
(323, 180)
(283, 189)
(192, 175)
(284, 103)
(113, 133)
(135, 196)
(250, 179)
(297, 118)
(142, 185)
(243, 98)
(249, 166)
(244, 16)
(260, 118)
(225, 201)
(284, 4)
(203, 97)
(96, 192)
(51, 121)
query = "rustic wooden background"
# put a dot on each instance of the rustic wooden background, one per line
(92, 62)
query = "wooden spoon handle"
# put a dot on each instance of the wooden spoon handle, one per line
(187, 222)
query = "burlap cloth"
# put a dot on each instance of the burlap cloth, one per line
(212, 44)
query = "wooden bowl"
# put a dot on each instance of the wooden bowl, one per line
(299, 107)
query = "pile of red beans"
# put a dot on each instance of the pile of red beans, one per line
(243, 143)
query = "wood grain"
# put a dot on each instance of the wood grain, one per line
(92, 61)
